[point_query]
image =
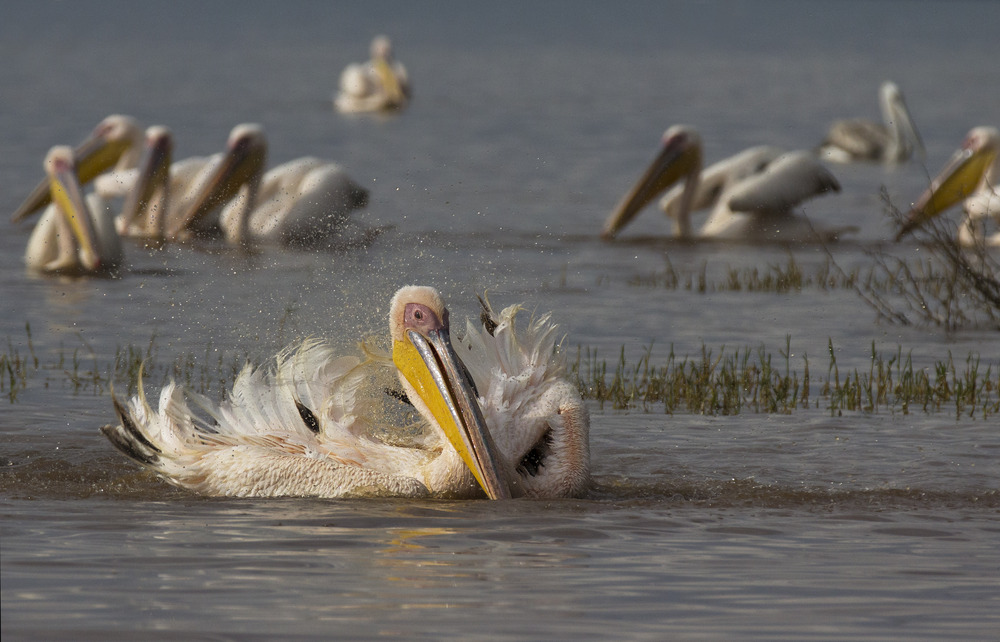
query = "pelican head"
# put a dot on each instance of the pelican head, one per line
(679, 158)
(381, 52)
(150, 193)
(973, 167)
(67, 195)
(904, 138)
(116, 137)
(240, 167)
(438, 384)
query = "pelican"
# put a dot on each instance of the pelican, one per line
(970, 176)
(233, 175)
(381, 84)
(300, 202)
(752, 193)
(75, 235)
(147, 200)
(892, 141)
(321, 425)
(114, 145)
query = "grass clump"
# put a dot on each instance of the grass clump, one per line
(776, 278)
(752, 380)
(81, 370)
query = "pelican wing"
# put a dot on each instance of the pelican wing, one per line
(301, 428)
(792, 178)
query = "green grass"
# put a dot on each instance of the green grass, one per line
(754, 380)
(779, 278)
(714, 382)
(80, 371)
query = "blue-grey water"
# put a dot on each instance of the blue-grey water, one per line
(529, 121)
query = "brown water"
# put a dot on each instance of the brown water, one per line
(527, 125)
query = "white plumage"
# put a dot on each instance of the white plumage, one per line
(381, 84)
(321, 425)
(752, 195)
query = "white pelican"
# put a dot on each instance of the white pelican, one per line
(381, 84)
(74, 235)
(892, 141)
(114, 145)
(171, 201)
(970, 176)
(213, 182)
(319, 425)
(752, 194)
(147, 199)
(301, 202)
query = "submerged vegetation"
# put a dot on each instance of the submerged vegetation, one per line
(80, 370)
(751, 380)
(748, 380)
(949, 286)
(775, 278)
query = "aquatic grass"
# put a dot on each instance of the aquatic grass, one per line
(81, 371)
(748, 380)
(779, 278)
(718, 381)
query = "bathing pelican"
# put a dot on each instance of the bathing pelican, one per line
(381, 84)
(970, 176)
(75, 235)
(892, 141)
(115, 145)
(753, 194)
(318, 425)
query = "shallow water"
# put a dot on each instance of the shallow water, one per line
(528, 123)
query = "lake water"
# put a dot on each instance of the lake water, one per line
(528, 123)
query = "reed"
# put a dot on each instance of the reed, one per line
(788, 277)
(713, 382)
(753, 380)
(81, 371)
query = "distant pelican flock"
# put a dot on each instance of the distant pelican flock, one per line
(893, 140)
(500, 421)
(970, 177)
(306, 201)
(752, 194)
(381, 84)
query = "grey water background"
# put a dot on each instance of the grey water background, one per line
(529, 121)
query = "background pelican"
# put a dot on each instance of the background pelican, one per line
(233, 175)
(381, 84)
(75, 235)
(317, 424)
(302, 202)
(892, 141)
(970, 176)
(147, 200)
(753, 194)
(115, 145)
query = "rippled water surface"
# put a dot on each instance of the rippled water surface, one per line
(528, 123)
